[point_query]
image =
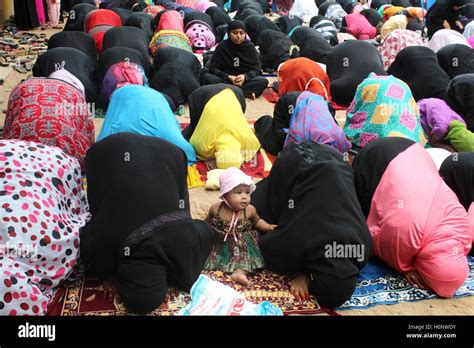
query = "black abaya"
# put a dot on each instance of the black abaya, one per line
(418, 67)
(294, 197)
(75, 39)
(141, 229)
(312, 44)
(117, 54)
(76, 62)
(175, 80)
(26, 17)
(348, 64)
(270, 130)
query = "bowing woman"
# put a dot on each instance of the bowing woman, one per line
(293, 196)
(141, 236)
(236, 61)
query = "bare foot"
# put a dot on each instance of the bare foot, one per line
(300, 287)
(240, 277)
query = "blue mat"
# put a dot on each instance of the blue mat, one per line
(378, 284)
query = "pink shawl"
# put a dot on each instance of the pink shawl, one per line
(417, 223)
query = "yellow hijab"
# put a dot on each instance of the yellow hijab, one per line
(223, 132)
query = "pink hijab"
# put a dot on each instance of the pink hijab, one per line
(203, 5)
(170, 20)
(360, 27)
(395, 42)
(417, 223)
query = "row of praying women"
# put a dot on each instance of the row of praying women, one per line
(397, 105)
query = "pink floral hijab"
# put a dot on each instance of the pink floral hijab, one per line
(395, 42)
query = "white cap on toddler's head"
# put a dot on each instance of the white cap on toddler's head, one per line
(233, 177)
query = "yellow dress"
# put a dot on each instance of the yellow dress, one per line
(223, 132)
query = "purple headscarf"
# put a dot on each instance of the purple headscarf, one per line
(311, 120)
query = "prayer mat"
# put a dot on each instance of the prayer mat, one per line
(270, 95)
(379, 284)
(78, 297)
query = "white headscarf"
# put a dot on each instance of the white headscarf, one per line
(304, 9)
(469, 30)
(64, 75)
(438, 155)
(445, 37)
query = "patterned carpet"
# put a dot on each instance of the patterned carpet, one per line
(82, 297)
(378, 284)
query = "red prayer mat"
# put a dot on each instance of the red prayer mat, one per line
(86, 297)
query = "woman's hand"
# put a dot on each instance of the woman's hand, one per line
(239, 80)
(414, 278)
(110, 288)
(211, 164)
(299, 287)
(232, 79)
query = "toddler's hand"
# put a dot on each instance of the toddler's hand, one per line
(271, 227)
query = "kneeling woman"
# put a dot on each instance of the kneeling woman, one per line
(142, 110)
(236, 61)
(218, 129)
(42, 208)
(418, 225)
(51, 111)
(141, 233)
(311, 228)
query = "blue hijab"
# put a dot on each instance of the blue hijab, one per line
(142, 110)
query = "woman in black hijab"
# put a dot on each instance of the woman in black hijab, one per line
(312, 44)
(219, 16)
(248, 5)
(418, 67)
(374, 18)
(456, 59)
(441, 11)
(369, 173)
(142, 21)
(175, 80)
(141, 232)
(309, 226)
(274, 47)
(375, 4)
(287, 23)
(123, 13)
(402, 3)
(130, 37)
(236, 61)
(255, 24)
(170, 54)
(459, 97)
(270, 130)
(73, 60)
(26, 17)
(115, 55)
(136, 5)
(198, 16)
(200, 97)
(74, 39)
(457, 171)
(77, 17)
(348, 64)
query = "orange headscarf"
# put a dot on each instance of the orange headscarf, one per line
(391, 11)
(303, 74)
